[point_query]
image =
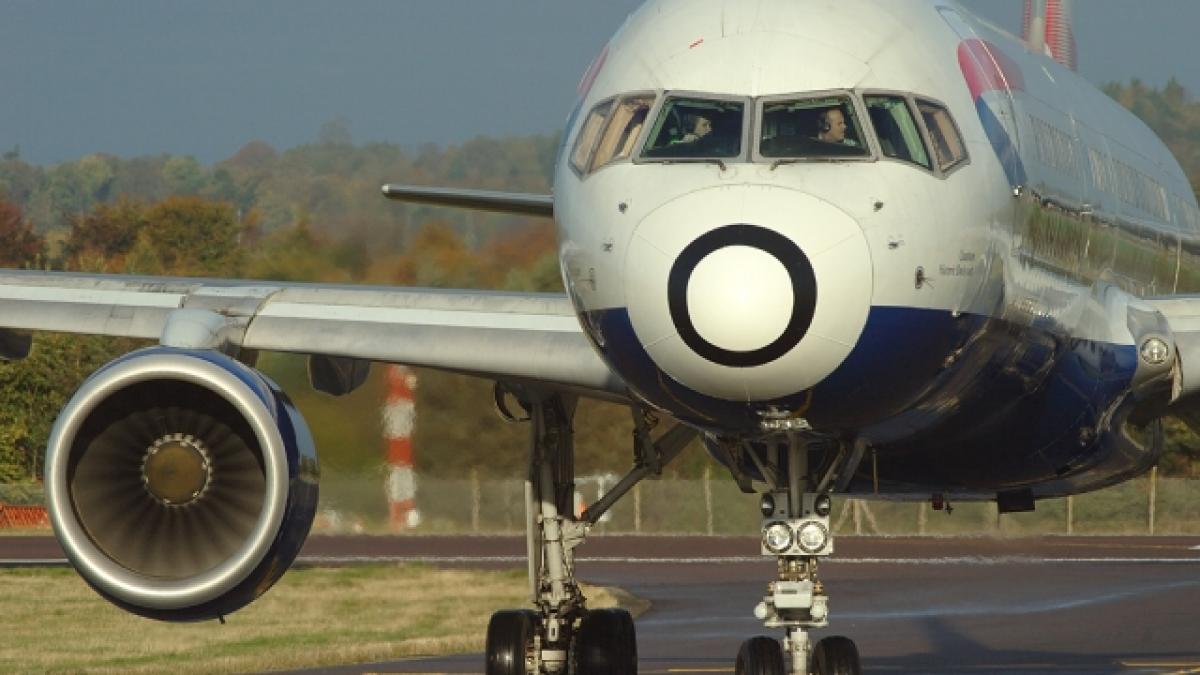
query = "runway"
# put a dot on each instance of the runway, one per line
(913, 605)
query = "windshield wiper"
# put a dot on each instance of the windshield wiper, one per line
(785, 160)
(698, 160)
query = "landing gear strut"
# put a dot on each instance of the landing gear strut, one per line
(561, 635)
(796, 531)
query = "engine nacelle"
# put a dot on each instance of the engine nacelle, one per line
(181, 484)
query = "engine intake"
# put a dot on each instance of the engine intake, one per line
(181, 484)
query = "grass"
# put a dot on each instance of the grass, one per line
(51, 622)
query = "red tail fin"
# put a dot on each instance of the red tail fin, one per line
(1047, 25)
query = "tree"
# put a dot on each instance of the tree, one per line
(1181, 454)
(96, 174)
(34, 390)
(1170, 113)
(101, 239)
(296, 254)
(19, 181)
(187, 236)
(254, 156)
(438, 257)
(19, 245)
(141, 178)
(184, 175)
(516, 261)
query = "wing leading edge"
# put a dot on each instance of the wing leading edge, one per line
(520, 336)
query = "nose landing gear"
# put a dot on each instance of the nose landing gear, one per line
(796, 530)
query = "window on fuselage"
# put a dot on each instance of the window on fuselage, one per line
(589, 133)
(897, 130)
(624, 126)
(696, 128)
(811, 128)
(948, 145)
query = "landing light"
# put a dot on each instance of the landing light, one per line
(777, 537)
(813, 536)
(1155, 351)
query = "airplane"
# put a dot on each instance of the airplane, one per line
(856, 248)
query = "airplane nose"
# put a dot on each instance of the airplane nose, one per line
(748, 293)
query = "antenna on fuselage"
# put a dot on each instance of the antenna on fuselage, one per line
(1047, 26)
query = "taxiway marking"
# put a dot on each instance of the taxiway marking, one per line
(1183, 667)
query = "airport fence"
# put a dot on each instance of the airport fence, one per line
(714, 505)
(711, 505)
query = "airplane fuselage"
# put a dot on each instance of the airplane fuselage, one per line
(962, 307)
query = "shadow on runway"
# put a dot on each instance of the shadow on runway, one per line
(952, 651)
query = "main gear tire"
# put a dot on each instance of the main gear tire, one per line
(606, 643)
(509, 640)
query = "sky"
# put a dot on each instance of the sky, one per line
(204, 77)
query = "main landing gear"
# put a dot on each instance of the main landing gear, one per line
(796, 531)
(561, 635)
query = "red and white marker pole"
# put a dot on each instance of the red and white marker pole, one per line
(399, 417)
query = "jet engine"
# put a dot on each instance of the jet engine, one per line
(181, 484)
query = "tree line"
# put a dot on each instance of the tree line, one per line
(314, 213)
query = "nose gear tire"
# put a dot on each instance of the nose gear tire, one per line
(760, 656)
(606, 643)
(836, 655)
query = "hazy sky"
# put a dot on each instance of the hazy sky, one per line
(203, 77)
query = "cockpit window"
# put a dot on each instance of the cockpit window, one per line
(588, 133)
(624, 127)
(696, 128)
(811, 128)
(947, 144)
(899, 136)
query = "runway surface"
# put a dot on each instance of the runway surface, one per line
(913, 605)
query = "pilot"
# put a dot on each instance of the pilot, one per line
(831, 126)
(701, 127)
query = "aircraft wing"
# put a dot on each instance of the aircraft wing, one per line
(519, 336)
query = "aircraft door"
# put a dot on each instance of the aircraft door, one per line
(992, 78)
